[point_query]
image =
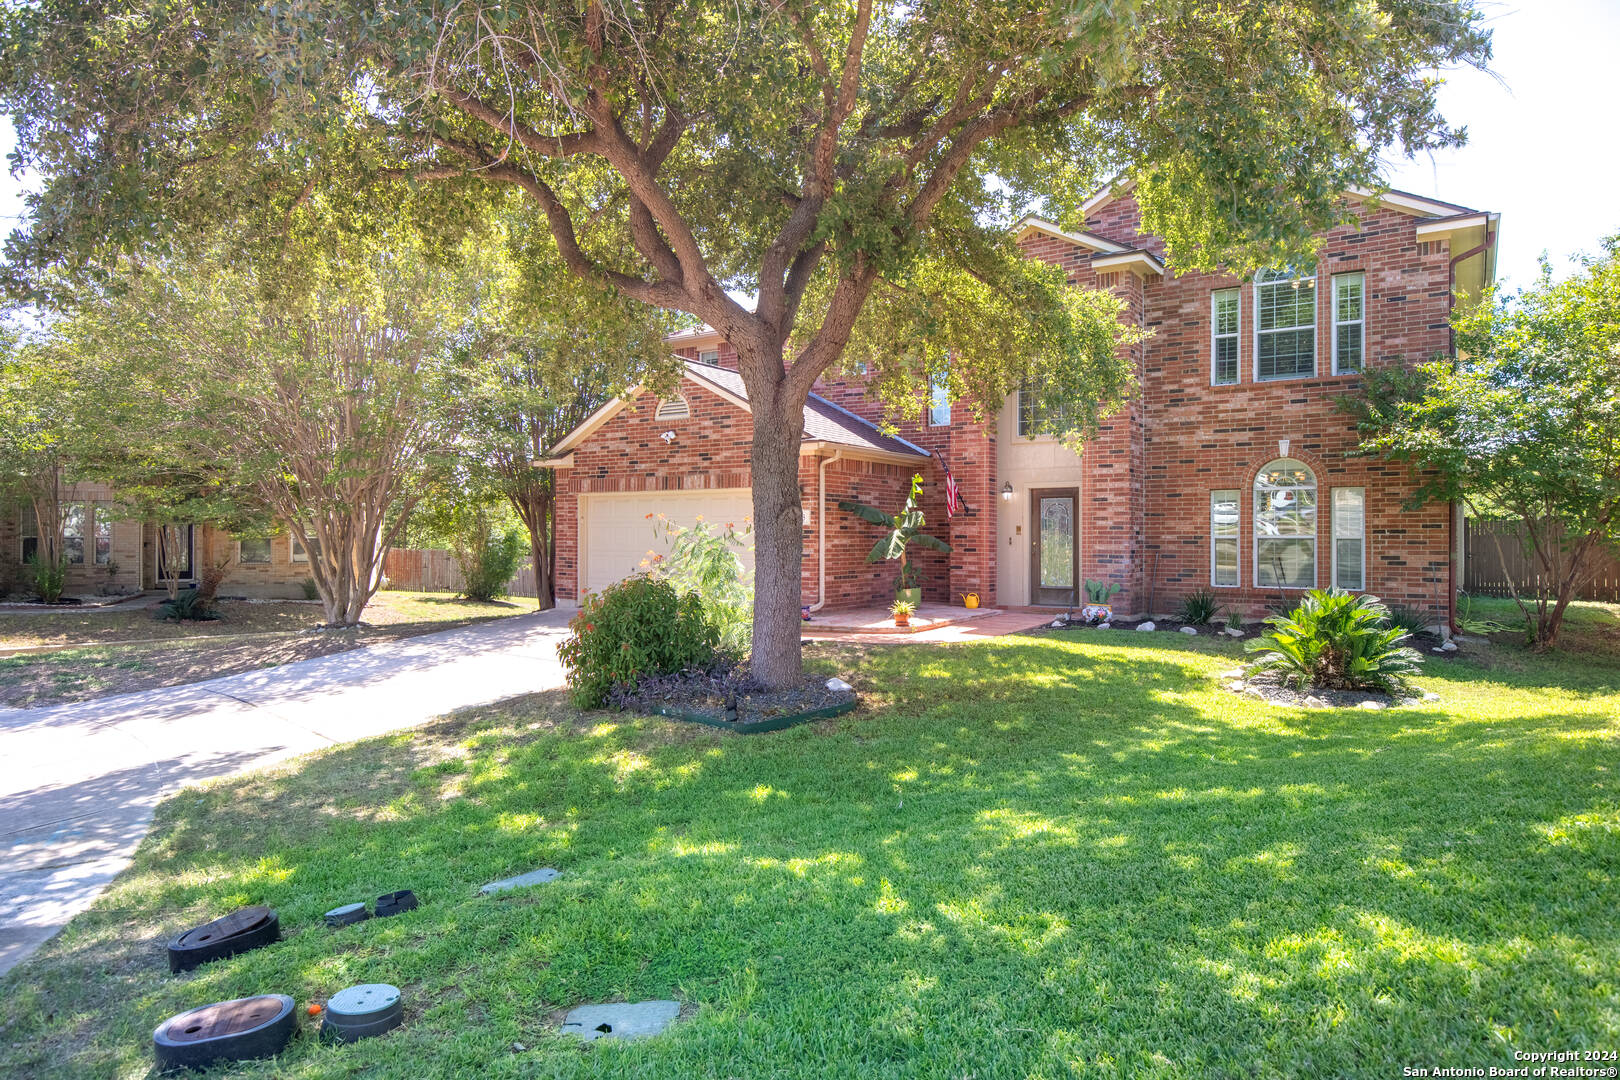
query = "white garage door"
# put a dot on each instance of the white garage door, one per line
(618, 534)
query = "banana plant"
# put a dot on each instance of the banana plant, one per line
(905, 528)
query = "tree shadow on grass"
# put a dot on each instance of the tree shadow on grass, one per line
(1036, 859)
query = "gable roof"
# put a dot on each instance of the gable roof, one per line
(1404, 201)
(825, 424)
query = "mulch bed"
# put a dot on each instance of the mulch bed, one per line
(727, 684)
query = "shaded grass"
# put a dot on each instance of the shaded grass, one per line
(1067, 854)
(121, 655)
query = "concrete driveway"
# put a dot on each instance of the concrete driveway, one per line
(78, 782)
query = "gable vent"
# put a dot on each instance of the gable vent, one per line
(674, 408)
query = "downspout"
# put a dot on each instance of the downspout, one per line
(1456, 511)
(821, 531)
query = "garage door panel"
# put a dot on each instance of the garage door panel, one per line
(619, 534)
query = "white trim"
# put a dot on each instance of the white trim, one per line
(862, 453)
(1334, 537)
(1030, 223)
(937, 391)
(1236, 538)
(296, 553)
(1435, 230)
(1405, 202)
(709, 352)
(673, 408)
(1105, 195)
(566, 461)
(1236, 336)
(1316, 328)
(1335, 322)
(1140, 263)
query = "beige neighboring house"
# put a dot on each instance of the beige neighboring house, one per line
(109, 554)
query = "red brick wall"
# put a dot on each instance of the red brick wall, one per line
(1145, 480)
(1201, 438)
(626, 454)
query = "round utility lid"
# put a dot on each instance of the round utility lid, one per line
(348, 913)
(362, 1004)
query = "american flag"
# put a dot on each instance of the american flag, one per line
(953, 494)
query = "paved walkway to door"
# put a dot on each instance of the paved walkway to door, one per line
(78, 782)
(970, 626)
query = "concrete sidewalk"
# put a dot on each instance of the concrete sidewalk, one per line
(78, 782)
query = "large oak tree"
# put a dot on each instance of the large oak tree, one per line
(686, 152)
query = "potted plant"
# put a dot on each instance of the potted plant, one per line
(1097, 608)
(902, 610)
(905, 528)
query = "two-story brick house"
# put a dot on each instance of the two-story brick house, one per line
(1228, 470)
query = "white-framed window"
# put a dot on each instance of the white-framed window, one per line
(1285, 324)
(939, 402)
(1285, 526)
(296, 552)
(1225, 322)
(1035, 416)
(253, 551)
(101, 526)
(674, 408)
(1349, 322)
(710, 357)
(1350, 539)
(1223, 538)
(75, 526)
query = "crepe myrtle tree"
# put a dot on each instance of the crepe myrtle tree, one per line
(810, 156)
(309, 391)
(1525, 425)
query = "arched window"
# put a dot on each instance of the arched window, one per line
(1285, 526)
(674, 408)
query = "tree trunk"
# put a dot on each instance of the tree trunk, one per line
(779, 542)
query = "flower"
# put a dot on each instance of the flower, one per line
(649, 515)
(590, 628)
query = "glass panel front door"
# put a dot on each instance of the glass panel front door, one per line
(1055, 556)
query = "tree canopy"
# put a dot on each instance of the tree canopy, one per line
(686, 152)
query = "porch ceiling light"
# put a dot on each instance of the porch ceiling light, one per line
(1006, 491)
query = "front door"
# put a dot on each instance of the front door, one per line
(184, 570)
(1055, 554)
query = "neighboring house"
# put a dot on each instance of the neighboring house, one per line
(1229, 469)
(107, 553)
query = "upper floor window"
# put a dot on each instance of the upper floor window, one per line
(1285, 324)
(1349, 322)
(709, 356)
(674, 408)
(1037, 416)
(1285, 526)
(939, 402)
(1223, 322)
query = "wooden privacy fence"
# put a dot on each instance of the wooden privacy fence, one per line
(1496, 549)
(433, 570)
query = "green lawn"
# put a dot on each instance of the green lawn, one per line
(1051, 856)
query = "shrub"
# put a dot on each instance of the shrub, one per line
(48, 579)
(1411, 620)
(1336, 641)
(311, 590)
(635, 627)
(1200, 608)
(705, 559)
(188, 605)
(488, 563)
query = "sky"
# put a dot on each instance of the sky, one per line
(1542, 148)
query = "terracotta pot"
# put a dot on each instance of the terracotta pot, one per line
(902, 620)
